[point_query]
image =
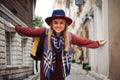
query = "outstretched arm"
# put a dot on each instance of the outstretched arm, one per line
(26, 31)
(86, 42)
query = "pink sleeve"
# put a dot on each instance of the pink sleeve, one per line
(84, 42)
(26, 31)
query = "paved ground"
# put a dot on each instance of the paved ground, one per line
(77, 73)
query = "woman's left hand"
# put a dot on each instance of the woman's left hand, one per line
(102, 42)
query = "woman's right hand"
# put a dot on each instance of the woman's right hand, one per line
(11, 26)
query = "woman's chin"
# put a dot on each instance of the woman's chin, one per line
(58, 31)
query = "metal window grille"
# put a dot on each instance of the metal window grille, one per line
(23, 43)
(8, 48)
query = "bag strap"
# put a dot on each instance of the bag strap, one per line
(40, 45)
(41, 42)
(36, 62)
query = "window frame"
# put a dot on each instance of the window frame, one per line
(8, 34)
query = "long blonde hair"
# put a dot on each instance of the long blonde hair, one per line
(66, 37)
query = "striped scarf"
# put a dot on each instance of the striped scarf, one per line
(49, 56)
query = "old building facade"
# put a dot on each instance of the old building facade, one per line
(15, 60)
(97, 20)
(94, 12)
(103, 16)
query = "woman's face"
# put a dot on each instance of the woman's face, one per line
(58, 25)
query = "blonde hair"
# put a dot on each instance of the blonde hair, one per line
(66, 38)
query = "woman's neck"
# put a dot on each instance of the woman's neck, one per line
(57, 34)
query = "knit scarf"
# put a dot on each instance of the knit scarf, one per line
(49, 56)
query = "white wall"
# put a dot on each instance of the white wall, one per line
(98, 31)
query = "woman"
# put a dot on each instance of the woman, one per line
(56, 60)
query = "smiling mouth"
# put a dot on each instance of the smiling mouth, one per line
(57, 28)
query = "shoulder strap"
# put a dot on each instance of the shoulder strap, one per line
(40, 45)
(40, 48)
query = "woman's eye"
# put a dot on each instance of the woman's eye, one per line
(55, 22)
(61, 22)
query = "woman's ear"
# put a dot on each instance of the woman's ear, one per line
(66, 25)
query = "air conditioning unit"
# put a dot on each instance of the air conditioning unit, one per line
(78, 2)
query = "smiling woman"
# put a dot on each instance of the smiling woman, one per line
(57, 56)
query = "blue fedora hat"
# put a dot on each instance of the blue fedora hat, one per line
(58, 14)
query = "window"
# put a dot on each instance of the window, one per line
(8, 47)
(23, 49)
(78, 2)
(23, 45)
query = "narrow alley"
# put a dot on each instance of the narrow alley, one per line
(78, 73)
(87, 28)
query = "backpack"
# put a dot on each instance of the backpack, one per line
(37, 48)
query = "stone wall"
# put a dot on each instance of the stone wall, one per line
(2, 46)
(21, 63)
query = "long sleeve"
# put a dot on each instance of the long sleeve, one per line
(84, 42)
(25, 31)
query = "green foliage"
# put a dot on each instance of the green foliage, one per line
(38, 21)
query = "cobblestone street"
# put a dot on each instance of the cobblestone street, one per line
(78, 74)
